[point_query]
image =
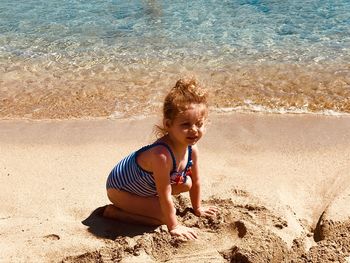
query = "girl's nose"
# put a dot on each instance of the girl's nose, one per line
(194, 128)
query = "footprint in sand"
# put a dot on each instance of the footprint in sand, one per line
(52, 237)
(241, 228)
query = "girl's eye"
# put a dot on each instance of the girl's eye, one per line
(199, 124)
(186, 124)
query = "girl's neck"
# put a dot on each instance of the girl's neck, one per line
(179, 149)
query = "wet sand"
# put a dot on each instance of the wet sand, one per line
(36, 91)
(281, 183)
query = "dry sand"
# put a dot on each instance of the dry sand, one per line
(282, 183)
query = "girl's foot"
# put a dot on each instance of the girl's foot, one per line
(111, 211)
(116, 213)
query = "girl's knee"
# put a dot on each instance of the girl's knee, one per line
(188, 184)
(184, 187)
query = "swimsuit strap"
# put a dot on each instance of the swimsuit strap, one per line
(163, 144)
(189, 160)
(170, 151)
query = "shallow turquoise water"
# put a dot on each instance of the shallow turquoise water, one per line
(142, 41)
(163, 30)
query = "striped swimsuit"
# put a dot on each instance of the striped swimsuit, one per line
(128, 175)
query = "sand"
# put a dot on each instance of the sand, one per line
(281, 182)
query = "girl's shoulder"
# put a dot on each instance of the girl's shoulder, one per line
(154, 155)
(194, 150)
(161, 150)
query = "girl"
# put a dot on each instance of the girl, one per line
(140, 186)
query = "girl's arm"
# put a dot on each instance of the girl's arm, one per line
(162, 164)
(195, 191)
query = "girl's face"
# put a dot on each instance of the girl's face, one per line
(188, 126)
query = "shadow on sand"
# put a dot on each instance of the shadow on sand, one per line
(111, 229)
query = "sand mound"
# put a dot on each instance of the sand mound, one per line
(243, 232)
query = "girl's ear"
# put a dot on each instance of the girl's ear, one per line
(166, 123)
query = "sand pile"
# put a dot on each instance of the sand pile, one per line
(244, 232)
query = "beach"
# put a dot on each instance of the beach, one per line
(82, 81)
(280, 181)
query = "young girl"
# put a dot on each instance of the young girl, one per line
(140, 186)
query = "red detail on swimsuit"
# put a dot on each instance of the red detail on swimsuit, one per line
(180, 178)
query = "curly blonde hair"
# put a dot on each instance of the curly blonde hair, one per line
(186, 91)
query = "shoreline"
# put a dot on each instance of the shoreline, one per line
(212, 112)
(249, 108)
(284, 177)
(113, 92)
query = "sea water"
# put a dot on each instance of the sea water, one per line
(81, 59)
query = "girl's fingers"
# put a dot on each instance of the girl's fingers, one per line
(192, 235)
(210, 211)
(213, 208)
(189, 237)
(187, 234)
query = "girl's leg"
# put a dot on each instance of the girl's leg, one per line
(133, 208)
(111, 211)
(181, 188)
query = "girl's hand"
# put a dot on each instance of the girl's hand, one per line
(210, 211)
(183, 232)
